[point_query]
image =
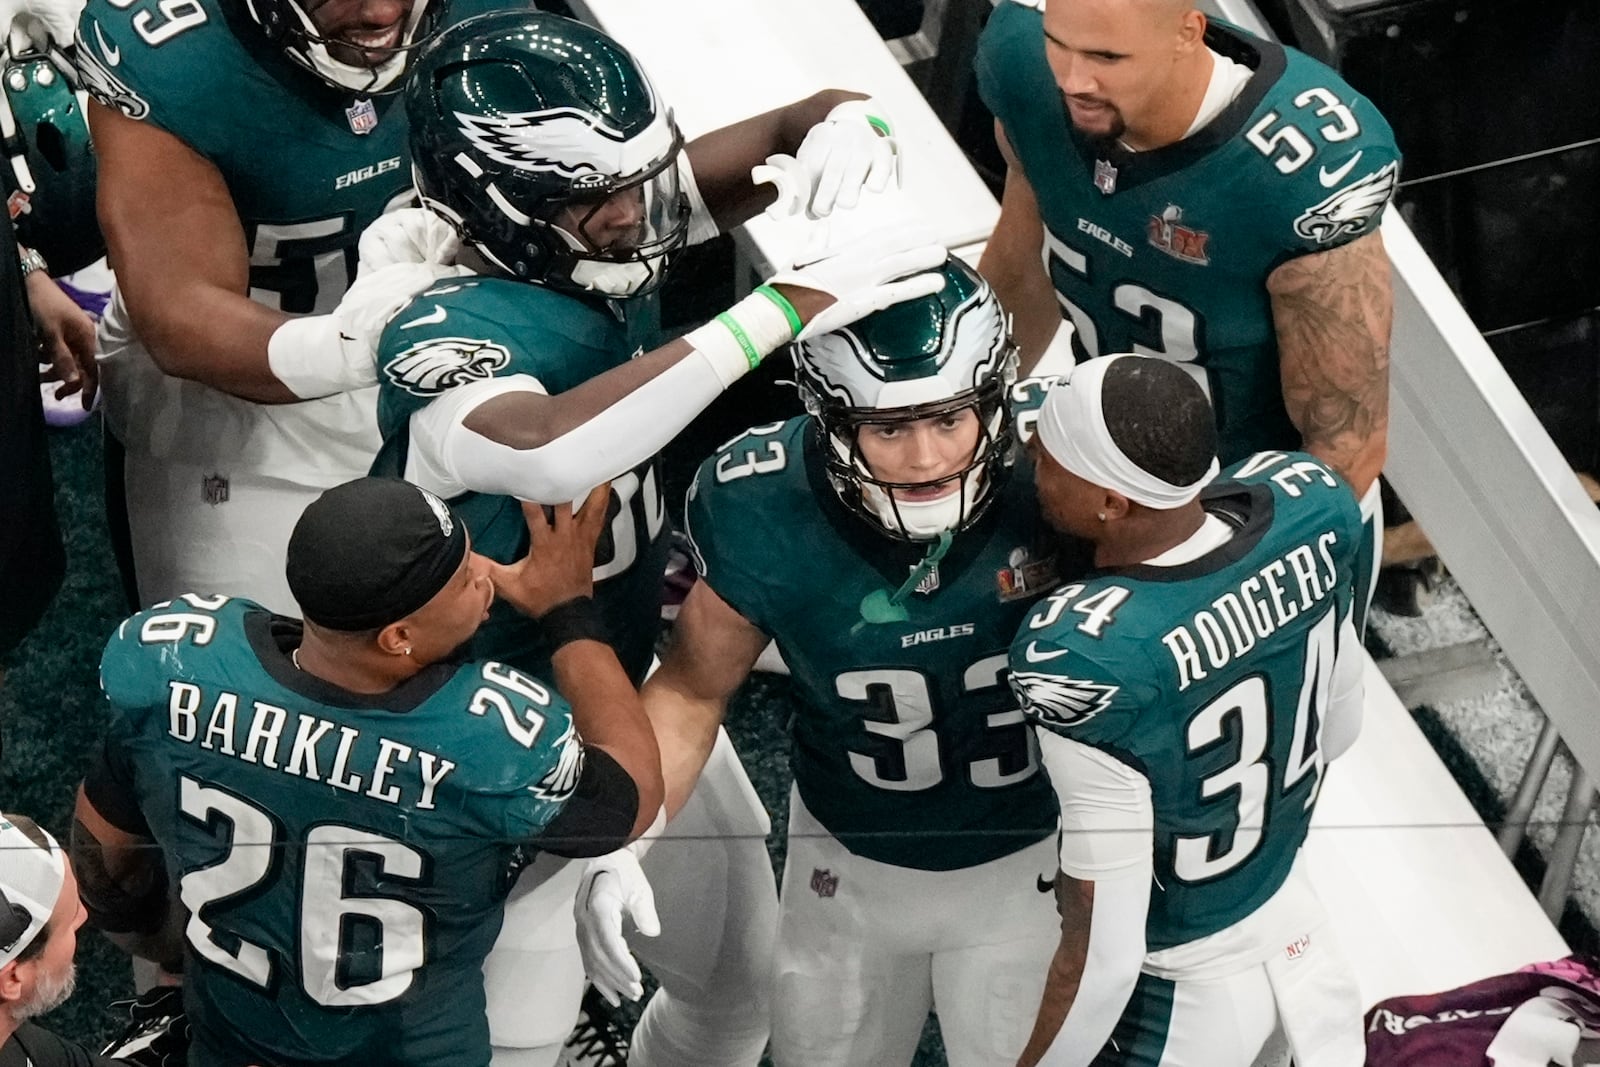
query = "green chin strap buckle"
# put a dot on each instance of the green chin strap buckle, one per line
(880, 606)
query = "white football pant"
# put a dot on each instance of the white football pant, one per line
(865, 949)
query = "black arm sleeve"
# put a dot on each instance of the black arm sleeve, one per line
(599, 815)
(33, 1045)
(109, 787)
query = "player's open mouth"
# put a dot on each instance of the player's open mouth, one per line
(374, 44)
(924, 493)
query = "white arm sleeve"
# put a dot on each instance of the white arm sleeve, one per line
(1347, 694)
(702, 227)
(449, 459)
(1107, 837)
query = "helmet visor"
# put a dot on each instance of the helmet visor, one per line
(641, 220)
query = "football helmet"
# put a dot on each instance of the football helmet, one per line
(541, 140)
(49, 172)
(920, 359)
(288, 25)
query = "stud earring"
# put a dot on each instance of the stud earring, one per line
(1102, 516)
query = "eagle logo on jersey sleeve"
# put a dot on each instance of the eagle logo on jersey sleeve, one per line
(1351, 209)
(96, 79)
(1054, 700)
(558, 784)
(430, 367)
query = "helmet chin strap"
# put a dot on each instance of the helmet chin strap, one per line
(611, 279)
(604, 276)
(923, 519)
(881, 606)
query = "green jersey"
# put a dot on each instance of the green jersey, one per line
(1167, 252)
(343, 858)
(1210, 678)
(478, 328)
(909, 747)
(304, 182)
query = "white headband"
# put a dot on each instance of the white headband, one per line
(1072, 428)
(31, 878)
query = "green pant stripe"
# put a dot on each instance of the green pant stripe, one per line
(1140, 1036)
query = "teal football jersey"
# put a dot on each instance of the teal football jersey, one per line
(479, 328)
(909, 747)
(344, 858)
(303, 181)
(1210, 678)
(1167, 252)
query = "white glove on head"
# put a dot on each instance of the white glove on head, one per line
(869, 274)
(852, 149)
(613, 887)
(318, 355)
(42, 22)
(409, 235)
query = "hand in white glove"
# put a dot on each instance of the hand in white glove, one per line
(852, 149)
(317, 355)
(613, 888)
(41, 22)
(870, 274)
(409, 235)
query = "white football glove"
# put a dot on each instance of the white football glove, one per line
(852, 149)
(868, 275)
(613, 888)
(40, 22)
(319, 355)
(409, 235)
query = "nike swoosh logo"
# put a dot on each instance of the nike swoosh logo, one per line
(1330, 178)
(1033, 655)
(436, 315)
(1045, 885)
(113, 55)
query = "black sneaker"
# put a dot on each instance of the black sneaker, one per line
(157, 1034)
(599, 1039)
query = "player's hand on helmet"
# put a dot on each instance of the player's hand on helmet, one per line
(867, 275)
(851, 150)
(559, 565)
(37, 24)
(410, 235)
(613, 889)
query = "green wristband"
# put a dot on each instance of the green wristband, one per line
(787, 308)
(750, 351)
(881, 125)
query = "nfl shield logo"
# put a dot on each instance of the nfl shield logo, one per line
(214, 489)
(363, 117)
(930, 581)
(1297, 948)
(1105, 177)
(824, 882)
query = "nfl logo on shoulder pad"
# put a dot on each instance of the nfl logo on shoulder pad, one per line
(824, 882)
(363, 117)
(214, 489)
(1297, 948)
(1105, 177)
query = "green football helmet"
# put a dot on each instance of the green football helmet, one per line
(921, 359)
(541, 140)
(49, 174)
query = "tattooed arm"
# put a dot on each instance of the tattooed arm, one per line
(1333, 311)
